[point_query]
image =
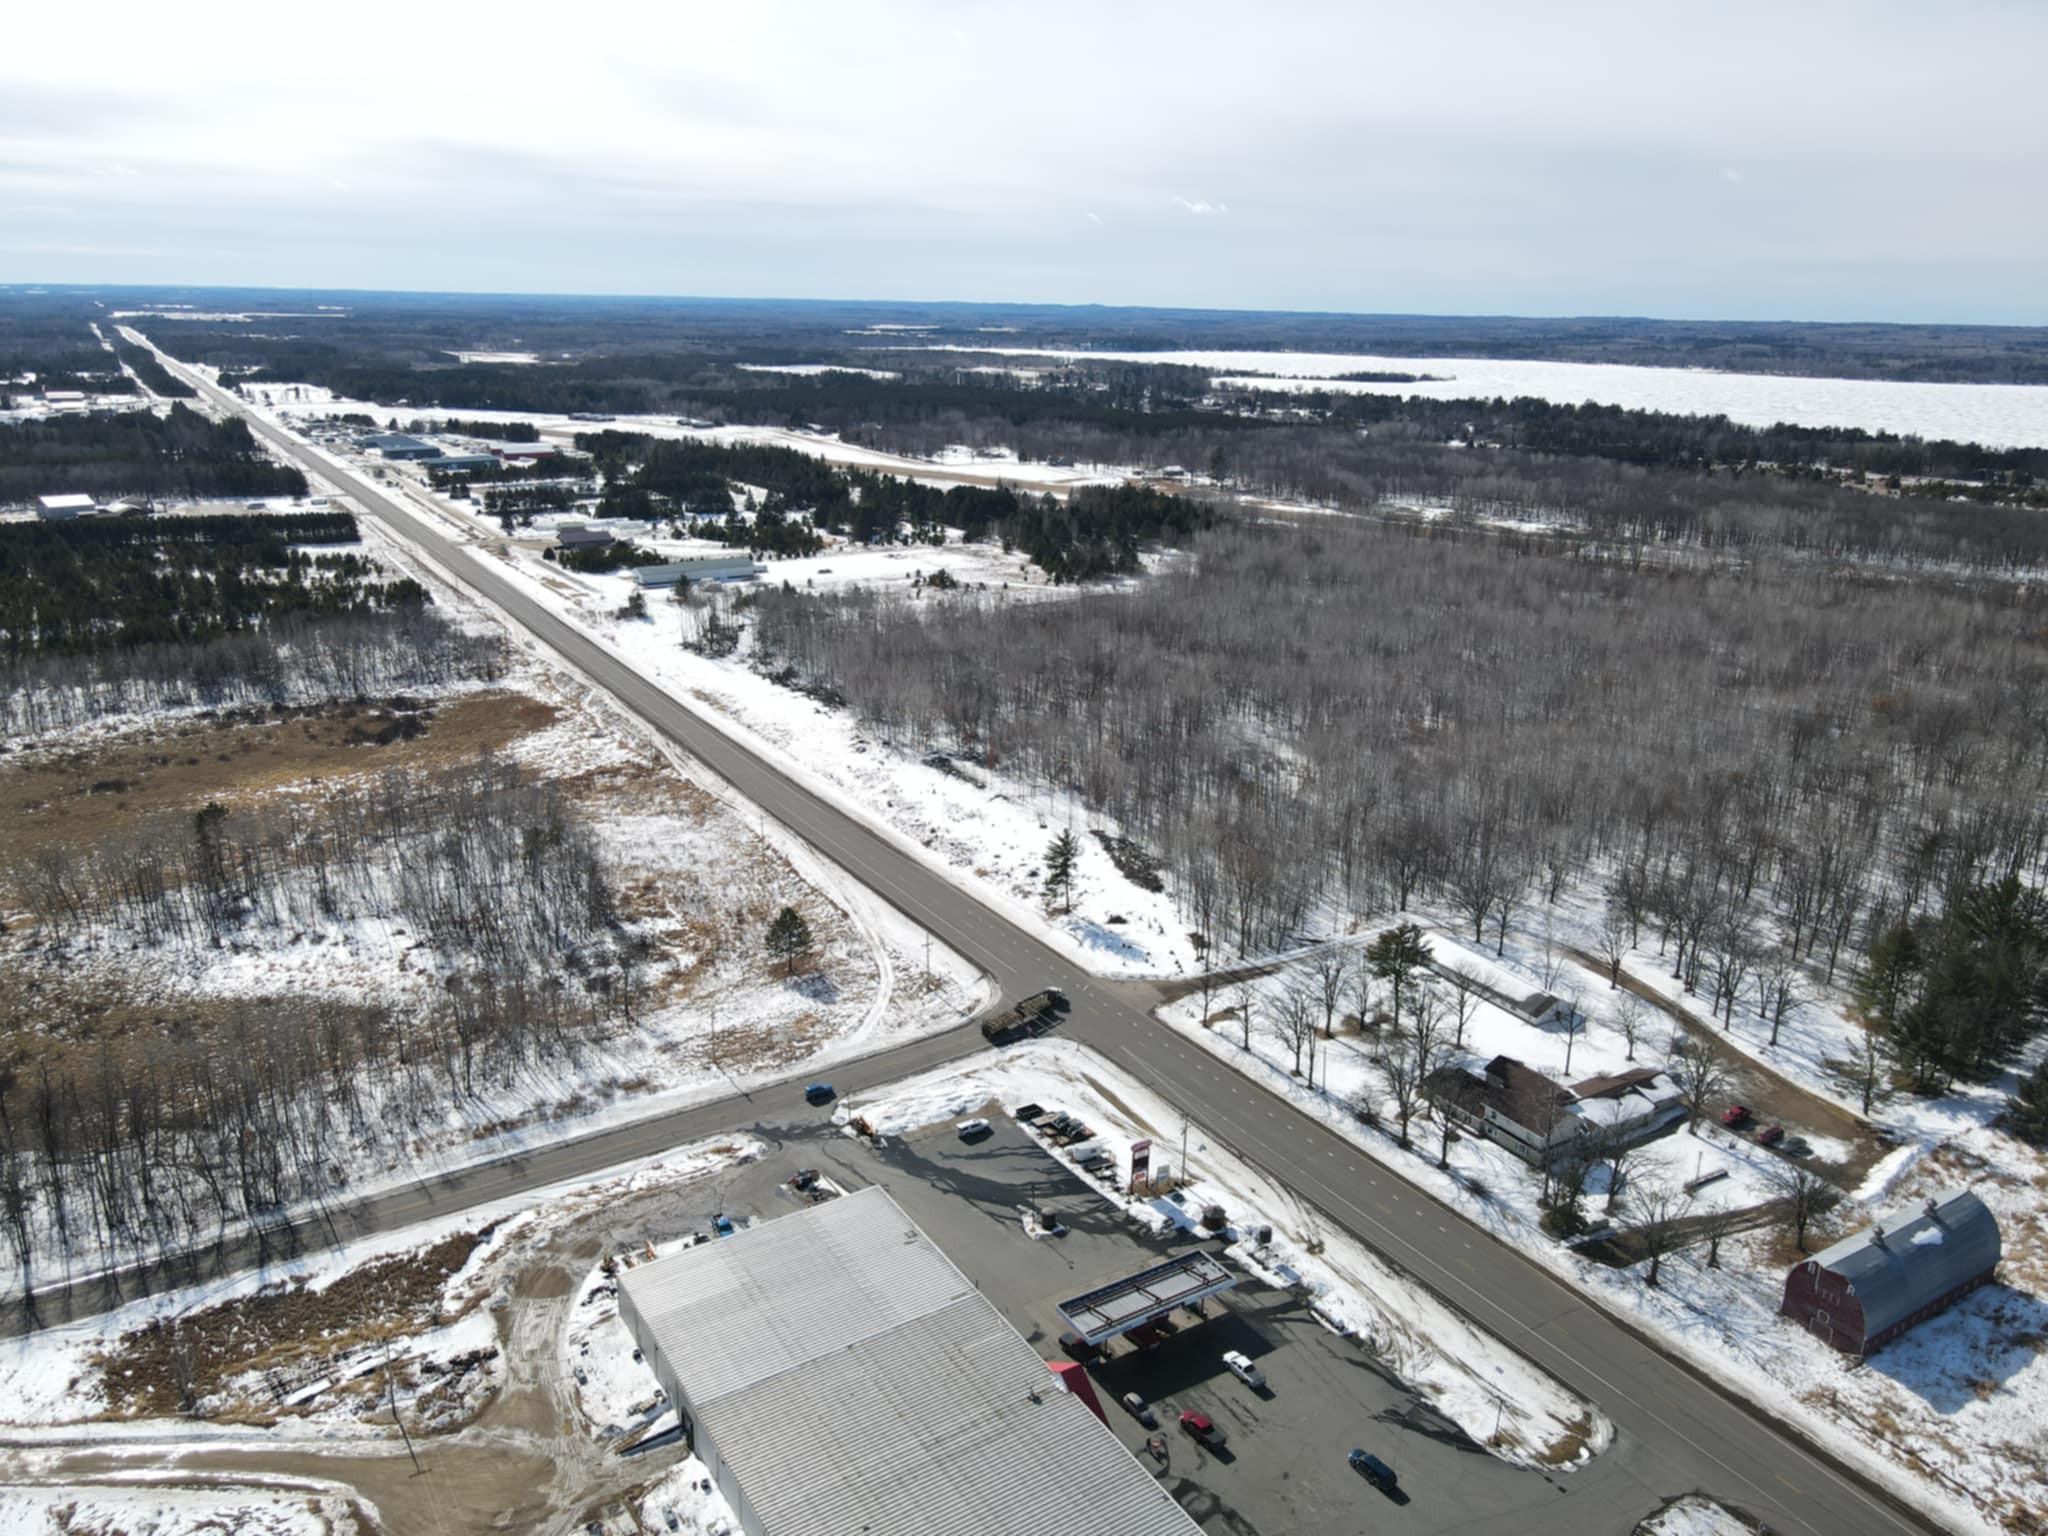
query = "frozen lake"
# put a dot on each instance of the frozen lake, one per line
(2000, 415)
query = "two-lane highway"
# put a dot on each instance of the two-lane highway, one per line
(1677, 1429)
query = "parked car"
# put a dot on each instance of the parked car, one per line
(1024, 1114)
(1139, 1409)
(1239, 1365)
(1770, 1135)
(803, 1178)
(722, 1225)
(1078, 1348)
(1736, 1114)
(1375, 1471)
(973, 1130)
(819, 1093)
(1204, 1429)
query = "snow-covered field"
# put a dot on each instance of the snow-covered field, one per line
(60, 1387)
(299, 405)
(1471, 1377)
(1998, 415)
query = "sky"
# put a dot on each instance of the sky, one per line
(1818, 161)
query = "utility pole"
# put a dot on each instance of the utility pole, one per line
(1183, 1146)
(391, 1391)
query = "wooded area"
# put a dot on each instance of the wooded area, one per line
(158, 1138)
(1767, 765)
(113, 454)
(85, 586)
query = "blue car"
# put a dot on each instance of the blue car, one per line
(722, 1225)
(819, 1093)
(1375, 1471)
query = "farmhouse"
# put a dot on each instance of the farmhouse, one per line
(1512, 1104)
(1495, 982)
(1900, 1270)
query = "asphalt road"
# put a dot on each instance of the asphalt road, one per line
(1682, 1430)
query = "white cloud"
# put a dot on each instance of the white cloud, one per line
(879, 150)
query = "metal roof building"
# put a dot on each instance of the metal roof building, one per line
(57, 508)
(711, 568)
(838, 1374)
(1903, 1268)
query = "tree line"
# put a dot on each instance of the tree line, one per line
(75, 587)
(109, 454)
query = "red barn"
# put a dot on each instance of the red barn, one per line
(1903, 1268)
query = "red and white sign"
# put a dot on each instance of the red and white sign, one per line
(1141, 1163)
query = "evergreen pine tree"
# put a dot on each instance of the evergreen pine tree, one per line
(789, 938)
(1060, 859)
(2027, 1116)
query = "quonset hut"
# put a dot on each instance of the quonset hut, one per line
(1900, 1270)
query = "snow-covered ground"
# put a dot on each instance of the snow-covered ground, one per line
(1471, 1377)
(300, 405)
(691, 853)
(59, 1386)
(978, 825)
(1997, 415)
(812, 370)
(1696, 1516)
(1951, 1416)
(198, 1507)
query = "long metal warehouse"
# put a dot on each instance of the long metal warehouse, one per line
(839, 1374)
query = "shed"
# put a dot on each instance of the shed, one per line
(58, 508)
(1900, 1270)
(1495, 982)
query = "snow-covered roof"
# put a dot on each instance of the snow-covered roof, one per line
(852, 1378)
(1515, 992)
(1910, 1257)
(1622, 1098)
(69, 503)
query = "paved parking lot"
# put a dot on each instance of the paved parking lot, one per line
(1284, 1468)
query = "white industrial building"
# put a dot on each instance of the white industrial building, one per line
(57, 508)
(837, 1373)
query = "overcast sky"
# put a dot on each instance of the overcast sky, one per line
(1871, 161)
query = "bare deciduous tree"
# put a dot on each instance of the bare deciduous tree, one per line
(1700, 1071)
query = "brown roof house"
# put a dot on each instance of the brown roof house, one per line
(1900, 1270)
(1515, 1105)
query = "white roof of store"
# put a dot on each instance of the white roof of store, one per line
(853, 1379)
(66, 503)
